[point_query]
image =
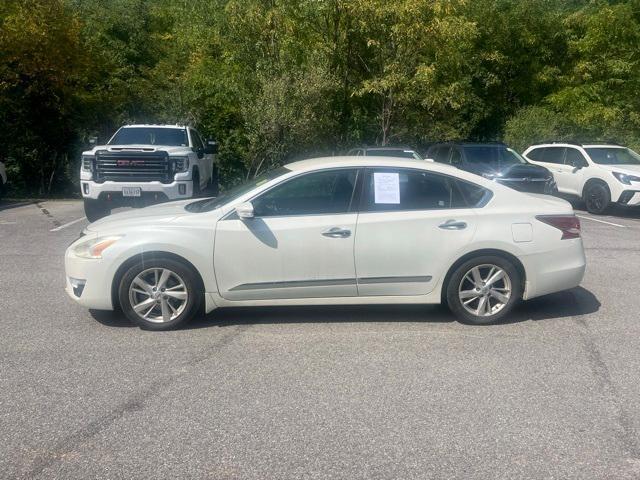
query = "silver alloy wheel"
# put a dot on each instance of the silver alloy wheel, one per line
(484, 290)
(158, 295)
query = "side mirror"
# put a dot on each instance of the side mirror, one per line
(245, 211)
(211, 147)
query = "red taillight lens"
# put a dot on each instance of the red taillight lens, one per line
(569, 225)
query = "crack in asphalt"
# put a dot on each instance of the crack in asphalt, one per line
(627, 433)
(47, 213)
(136, 402)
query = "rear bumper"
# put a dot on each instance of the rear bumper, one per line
(554, 271)
(152, 192)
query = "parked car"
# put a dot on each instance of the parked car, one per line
(341, 230)
(600, 174)
(495, 161)
(399, 152)
(143, 164)
(3, 179)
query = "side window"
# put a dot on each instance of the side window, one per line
(474, 195)
(402, 189)
(441, 155)
(574, 157)
(536, 154)
(197, 141)
(456, 157)
(323, 192)
(553, 155)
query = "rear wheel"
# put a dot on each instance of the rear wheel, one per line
(597, 198)
(159, 294)
(484, 290)
(95, 210)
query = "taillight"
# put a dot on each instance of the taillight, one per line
(569, 225)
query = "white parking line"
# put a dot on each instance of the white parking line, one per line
(67, 224)
(602, 221)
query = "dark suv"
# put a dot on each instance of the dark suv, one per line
(495, 161)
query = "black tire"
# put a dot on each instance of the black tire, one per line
(196, 184)
(2, 188)
(597, 198)
(183, 273)
(95, 210)
(214, 185)
(457, 282)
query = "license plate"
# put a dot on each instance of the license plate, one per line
(131, 191)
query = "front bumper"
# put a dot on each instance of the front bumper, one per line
(151, 191)
(88, 281)
(630, 198)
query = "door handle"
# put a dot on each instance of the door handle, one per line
(337, 232)
(453, 225)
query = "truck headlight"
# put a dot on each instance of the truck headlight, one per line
(181, 164)
(93, 248)
(626, 179)
(87, 163)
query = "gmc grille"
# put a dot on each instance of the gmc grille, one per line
(137, 166)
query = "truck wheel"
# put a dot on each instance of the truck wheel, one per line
(196, 184)
(95, 210)
(2, 188)
(214, 186)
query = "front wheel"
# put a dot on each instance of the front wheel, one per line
(597, 198)
(159, 294)
(95, 210)
(484, 290)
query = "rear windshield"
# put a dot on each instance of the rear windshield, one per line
(209, 204)
(613, 155)
(492, 155)
(400, 153)
(170, 137)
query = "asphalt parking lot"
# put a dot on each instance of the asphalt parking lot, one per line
(354, 393)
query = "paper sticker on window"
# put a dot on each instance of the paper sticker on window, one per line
(386, 187)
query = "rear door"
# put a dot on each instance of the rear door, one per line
(552, 158)
(409, 219)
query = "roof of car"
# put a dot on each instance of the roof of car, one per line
(473, 144)
(583, 145)
(388, 148)
(154, 125)
(375, 161)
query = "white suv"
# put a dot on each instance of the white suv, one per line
(144, 164)
(600, 174)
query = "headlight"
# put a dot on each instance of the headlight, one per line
(93, 248)
(87, 163)
(626, 179)
(181, 163)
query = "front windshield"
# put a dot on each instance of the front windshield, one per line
(492, 155)
(613, 155)
(400, 153)
(170, 137)
(209, 204)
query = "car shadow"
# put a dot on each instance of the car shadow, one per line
(570, 303)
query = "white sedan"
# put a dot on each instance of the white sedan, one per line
(340, 230)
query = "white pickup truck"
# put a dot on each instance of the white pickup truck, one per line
(144, 164)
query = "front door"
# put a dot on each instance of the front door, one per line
(410, 222)
(298, 245)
